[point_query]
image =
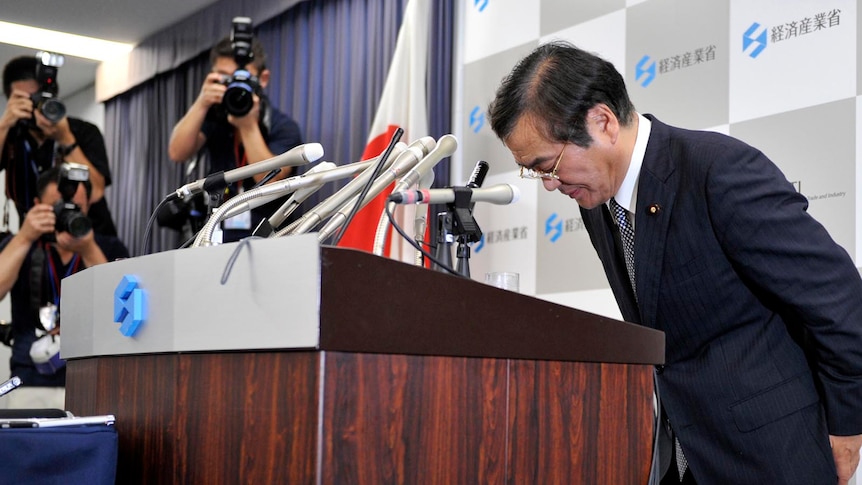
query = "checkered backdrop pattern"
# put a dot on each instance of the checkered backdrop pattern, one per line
(781, 75)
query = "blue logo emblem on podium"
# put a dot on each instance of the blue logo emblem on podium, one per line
(130, 305)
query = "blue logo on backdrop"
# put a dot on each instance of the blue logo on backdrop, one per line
(130, 305)
(751, 38)
(645, 71)
(554, 227)
(480, 4)
(477, 119)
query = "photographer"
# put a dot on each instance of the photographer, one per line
(55, 241)
(234, 140)
(33, 143)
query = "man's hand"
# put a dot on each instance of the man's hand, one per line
(85, 246)
(39, 220)
(77, 245)
(18, 107)
(249, 121)
(845, 450)
(59, 131)
(212, 91)
(186, 137)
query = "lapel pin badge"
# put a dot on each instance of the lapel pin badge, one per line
(653, 209)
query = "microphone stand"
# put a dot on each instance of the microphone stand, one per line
(464, 228)
(443, 251)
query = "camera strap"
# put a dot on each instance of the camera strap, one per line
(265, 117)
(39, 270)
(239, 152)
(54, 276)
(5, 227)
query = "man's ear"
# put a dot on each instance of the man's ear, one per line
(263, 79)
(604, 120)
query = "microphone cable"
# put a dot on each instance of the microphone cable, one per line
(173, 196)
(419, 247)
(146, 242)
(377, 169)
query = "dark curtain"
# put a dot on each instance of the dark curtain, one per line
(328, 59)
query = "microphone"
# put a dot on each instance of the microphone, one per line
(299, 155)
(275, 190)
(421, 174)
(446, 146)
(500, 194)
(477, 178)
(321, 211)
(404, 162)
(443, 252)
(291, 204)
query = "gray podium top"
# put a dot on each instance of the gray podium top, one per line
(289, 293)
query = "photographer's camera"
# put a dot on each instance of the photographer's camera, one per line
(69, 216)
(242, 85)
(239, 97)
(45, 100)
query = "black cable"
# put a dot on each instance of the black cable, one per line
(413, 243)
(272, 173)
(234, 255)
(377, 169)
(146, 244)
(189, 241)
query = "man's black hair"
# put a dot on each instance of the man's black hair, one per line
(558, 84)
(18, 69)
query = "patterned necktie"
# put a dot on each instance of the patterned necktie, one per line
(627, 234)
(681, 462)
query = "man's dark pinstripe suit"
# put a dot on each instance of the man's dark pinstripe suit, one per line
(733, 269)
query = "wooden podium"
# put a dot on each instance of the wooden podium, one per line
(416, 377)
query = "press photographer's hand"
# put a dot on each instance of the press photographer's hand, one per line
(18, 107)
(85, 245)
(76, 244)
(212, 90)
(250, 119)
(40, 219)
(59, 131)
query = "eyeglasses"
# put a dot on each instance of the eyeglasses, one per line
(532, 173)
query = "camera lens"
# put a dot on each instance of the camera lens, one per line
(52, 109)
(78, 224)
(239, 97)
(70, 219)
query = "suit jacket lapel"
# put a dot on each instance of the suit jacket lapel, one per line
(605, 239)
(655, 201)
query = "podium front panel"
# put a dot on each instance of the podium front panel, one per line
(271, 299)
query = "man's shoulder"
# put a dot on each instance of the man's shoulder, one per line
(281, 118)
(79, 126)
(112, 246)
(685, 141)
